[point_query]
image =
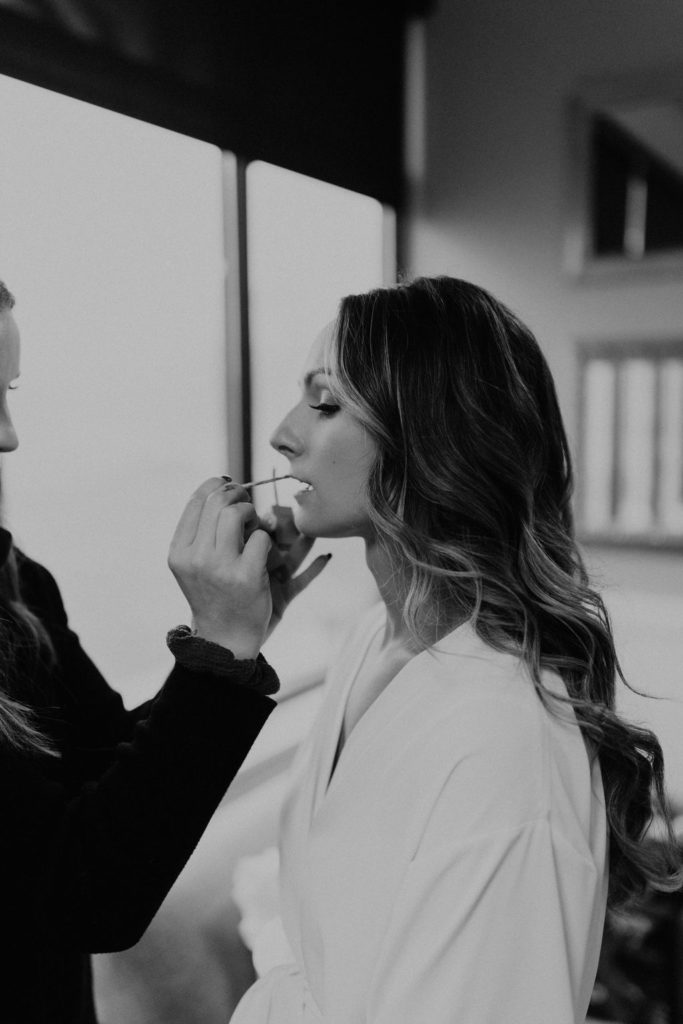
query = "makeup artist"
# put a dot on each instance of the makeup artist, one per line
(101, 807)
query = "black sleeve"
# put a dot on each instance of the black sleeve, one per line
(99, 863)
(93, 712)
(96, 839)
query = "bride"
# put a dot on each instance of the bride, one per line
(469, 800)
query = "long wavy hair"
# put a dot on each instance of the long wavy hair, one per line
(24, 642)
(470, 496)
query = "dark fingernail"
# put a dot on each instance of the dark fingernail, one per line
(228, 479)
(328, 557)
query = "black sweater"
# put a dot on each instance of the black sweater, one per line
(91, 842)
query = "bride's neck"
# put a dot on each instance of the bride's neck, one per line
(389, 582)
(393, 587)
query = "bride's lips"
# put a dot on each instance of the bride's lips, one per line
(307, 489)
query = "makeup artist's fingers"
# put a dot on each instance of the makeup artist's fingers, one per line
(224, 579)
(298, 551)
(255, 555)
(198, 522)
(255, 523)
(283, 564)
(300, 582)
(268, 522)
(234, 525)
(186, 530)
(277, 564)
(286, 531)
(227, 496)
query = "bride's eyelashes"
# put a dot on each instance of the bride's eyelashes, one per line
(325, 408)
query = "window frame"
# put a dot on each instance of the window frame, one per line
(589, 100)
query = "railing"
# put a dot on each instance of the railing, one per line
(631, 442)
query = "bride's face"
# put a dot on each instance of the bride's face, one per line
(330, 451)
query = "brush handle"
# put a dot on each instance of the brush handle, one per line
(268, 480)
(285, 530)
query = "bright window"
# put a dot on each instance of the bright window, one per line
(631, 464)
(115, 247)
(111, 239)
(309, 244)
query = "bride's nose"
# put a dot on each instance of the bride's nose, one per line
(285, 439)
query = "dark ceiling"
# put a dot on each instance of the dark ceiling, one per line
(312, 85)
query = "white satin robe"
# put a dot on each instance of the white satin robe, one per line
(454, 870)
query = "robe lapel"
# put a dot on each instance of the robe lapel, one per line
(395, 700)
(339, 686)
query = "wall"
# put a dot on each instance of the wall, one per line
(491, 207)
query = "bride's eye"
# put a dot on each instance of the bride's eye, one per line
(325, 408)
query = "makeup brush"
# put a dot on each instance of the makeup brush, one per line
(285, 531)
(268, 480)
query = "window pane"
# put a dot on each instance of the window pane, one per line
(637, 445)
(111, 240)
(611, 169)
(664, 209)
(599, 395)
(631, 465)
(309, 243)
(637, 192)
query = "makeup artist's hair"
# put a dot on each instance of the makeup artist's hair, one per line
(23, 641)
(470, 495)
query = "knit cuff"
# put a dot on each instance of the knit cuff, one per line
(200, 655)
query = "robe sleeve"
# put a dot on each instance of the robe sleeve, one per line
(492, 919)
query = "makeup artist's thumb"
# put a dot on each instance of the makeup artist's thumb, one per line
(300, 582)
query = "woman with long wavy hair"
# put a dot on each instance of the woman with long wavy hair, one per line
(469, 800)
(100, 807)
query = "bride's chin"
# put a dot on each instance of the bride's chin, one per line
(307, 525)
(303, 524)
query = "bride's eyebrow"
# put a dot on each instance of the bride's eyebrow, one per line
(308, 377)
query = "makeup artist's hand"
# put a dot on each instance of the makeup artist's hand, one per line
(286, 555)
(218, 555)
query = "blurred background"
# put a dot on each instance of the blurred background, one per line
(186, 191)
